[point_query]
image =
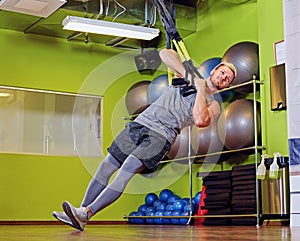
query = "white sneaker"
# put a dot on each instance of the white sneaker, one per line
(78, 216)
(61, 216)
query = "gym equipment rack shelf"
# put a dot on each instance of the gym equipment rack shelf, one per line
(253, 149)
(196, 160)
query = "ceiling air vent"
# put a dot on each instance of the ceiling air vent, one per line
(41, 8)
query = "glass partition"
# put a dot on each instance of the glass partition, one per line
(50, 123)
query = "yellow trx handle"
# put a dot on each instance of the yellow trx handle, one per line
(170, 76)
(183, 55)
(181, 49)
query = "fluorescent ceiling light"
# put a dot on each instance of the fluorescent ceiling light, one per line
(4, 94)
(87, 25)
(41, 8)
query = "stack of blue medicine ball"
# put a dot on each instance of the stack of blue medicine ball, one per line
(162, 207)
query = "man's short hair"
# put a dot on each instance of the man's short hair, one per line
(229, 65)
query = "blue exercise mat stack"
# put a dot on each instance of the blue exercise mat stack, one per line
(244, 194)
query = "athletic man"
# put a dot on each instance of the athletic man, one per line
(146, 140)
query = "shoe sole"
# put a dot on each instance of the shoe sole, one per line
(69, 212)
(63, 221)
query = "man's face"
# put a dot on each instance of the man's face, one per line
(222, 77)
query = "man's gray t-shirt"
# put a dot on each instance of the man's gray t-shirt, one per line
(170, 113)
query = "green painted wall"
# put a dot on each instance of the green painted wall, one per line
(44, 63)
(270, 31)
(32, 186)
(221, 25)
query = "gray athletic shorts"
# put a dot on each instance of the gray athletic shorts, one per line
(147, 145)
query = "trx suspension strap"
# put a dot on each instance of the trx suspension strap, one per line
(188, 88)
(168, 21)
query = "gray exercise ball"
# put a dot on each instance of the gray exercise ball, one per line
(236, 124)
(206, 140)
(244, 56)
(136, 98)
(180, 148)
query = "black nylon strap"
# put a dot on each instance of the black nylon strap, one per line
(185, 88)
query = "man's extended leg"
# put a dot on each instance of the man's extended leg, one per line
(99, 181)
(80, 216)
(113, 191)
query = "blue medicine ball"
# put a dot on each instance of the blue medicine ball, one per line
(150, 199)
(131, 217)
(177, 219)
(169, 207)
(164, 195)
(158, 220)
(140, 220)
(197, 197)
(167, 220)
(184, 221)
(161, 207)
(179, 205)
(187, 208)
(142, 208)
(156, 203)
(150, 220)
(173, 198)
(150, 209)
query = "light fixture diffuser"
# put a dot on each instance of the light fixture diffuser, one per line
(87, 25)
(41, 8)
(4, 94)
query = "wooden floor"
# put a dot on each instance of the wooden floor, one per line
(146, 232)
